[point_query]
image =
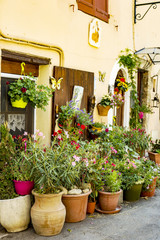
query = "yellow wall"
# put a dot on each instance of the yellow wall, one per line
(53, 23)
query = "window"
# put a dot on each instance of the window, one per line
(96, 8)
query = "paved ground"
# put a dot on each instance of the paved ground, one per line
(136, 221)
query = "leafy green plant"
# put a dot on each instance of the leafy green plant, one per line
(26, 88)
(132, 62)
(155, 146)
(106, 101)
(112, 181)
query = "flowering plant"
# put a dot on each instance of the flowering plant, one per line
(25, 88)
(117, 100)
(150, 171)
(121, 84)
(155, 146)
(106, 101)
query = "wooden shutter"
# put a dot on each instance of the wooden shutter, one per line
(101, 9)
(97, 8)
(72, 77)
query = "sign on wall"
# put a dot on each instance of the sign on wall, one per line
(94, 33)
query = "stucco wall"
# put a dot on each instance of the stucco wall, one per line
(53, 22)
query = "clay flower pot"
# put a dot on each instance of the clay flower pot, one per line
(48, 214)
(155, 157)
(15, 213)
(76, 206)
(108, 201)
(151, 191)
(91, 207)
(23, 187)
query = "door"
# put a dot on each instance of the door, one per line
(72, 77)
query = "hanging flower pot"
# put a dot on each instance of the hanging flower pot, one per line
(23, 187)
(103, 111)
(19, 103)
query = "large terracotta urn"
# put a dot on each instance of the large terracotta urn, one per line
(15, 213)
(76, 206)
(48, 214)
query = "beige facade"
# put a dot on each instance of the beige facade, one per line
(56, 30)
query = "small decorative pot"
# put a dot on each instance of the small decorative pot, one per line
(103, 111)
(151, 191)
(76, 206)
(133, 194)
(19, 103)
(15, 213)
(48, 214)
(91, 207)
(23, 187)
(108, 201)
(155, 157)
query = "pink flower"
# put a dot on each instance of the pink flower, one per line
(73, 163)
(25, 133)
(77, 159)
(140, 115)
(40, 134)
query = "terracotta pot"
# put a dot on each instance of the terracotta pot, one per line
(155, 157)
(15, 213)
(19, 103)
(103, 111)
(133, 194)
(76, 206)
(108, 201)
(48, 214)
(23, 187)
(151, 191)
(91, 207)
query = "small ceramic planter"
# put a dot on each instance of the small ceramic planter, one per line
(108, 201)
(151, 191)
(15, 213)
(23, 187)
(91, 207)
(133, 194)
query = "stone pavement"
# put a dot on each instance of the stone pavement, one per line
(136, 221)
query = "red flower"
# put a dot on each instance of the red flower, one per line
(13, 136)
(78, 124)
(106, 130)
(59, 131)
(116, 89)
(7, 83)
(80, 132)
(44, 149)
(23, 89)
(55, 134)
(113, 165)
(24, 139)
(83, 127)
(122, 79)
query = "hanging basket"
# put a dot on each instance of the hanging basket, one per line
(19, 103)
(103, 111)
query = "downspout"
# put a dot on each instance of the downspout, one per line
(34, 44)
(133, 23)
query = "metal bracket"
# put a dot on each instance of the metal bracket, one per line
(138, 16)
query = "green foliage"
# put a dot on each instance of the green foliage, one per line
(155, 146)
(7, 152)
(132, 62)
(106, 101)
(112, 181)
(26, 88)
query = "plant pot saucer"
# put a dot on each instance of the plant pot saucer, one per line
(118, 209)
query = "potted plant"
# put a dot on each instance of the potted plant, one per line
(111, 189)
(14, 209)
(25, 90)
(151, 173)
(104, 105)
(154, 154)
(121, 85)
(138, 140)
(132, 179)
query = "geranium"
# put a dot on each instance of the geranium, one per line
(121, 84)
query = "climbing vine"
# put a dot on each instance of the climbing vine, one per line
(132, 62)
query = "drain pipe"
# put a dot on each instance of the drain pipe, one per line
(17, 40)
